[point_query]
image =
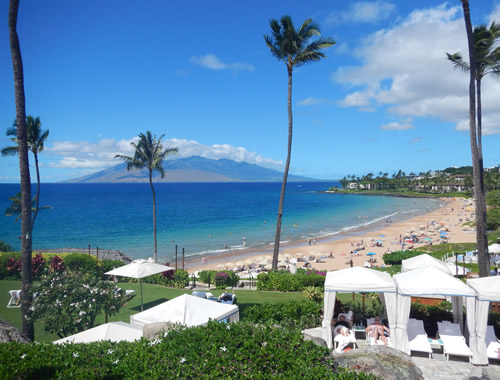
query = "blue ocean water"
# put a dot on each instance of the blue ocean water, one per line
(202, 218)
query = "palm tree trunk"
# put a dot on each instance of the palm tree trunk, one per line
(481, 238)
(37, 204)
(155, 256)
(285, 174)
(22, 149)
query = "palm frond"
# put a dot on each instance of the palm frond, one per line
(9, 151)
(458, 62)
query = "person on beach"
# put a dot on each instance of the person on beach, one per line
(350, 262)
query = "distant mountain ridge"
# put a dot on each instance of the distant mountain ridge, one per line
(193, 169)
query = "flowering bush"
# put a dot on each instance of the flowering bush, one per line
(68, 303)
(13, 265)
(213, 351)
(37, 265)
(221, 279)
(284, 281)
(57, 264)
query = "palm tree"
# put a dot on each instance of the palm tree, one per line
(16, 209)
(149, 153)
(36, 140)
(476, 64)
(24, 171)
(292, 47)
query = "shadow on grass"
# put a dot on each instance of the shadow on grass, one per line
(148, 305)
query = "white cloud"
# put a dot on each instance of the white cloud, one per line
(310, 101)
(99, 155)
(415, 140)
(405, 70)
(210, 61)
(370, 12)
(396, 126)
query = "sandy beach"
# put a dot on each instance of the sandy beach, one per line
(389, 237)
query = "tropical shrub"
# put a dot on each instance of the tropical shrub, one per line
(362, 312)
(69, 302)
(221, 279)
(213, 351)
(80, 262)
(312, 293)
(5, 247)
(37, 266)
(57, 264)
(285, 281)
(395, 258)
(295, 314)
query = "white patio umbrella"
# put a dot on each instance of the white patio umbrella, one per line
(139, 269)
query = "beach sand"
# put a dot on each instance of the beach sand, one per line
(451, 216)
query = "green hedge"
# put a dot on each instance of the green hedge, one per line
(284, 281)
(395, 258)
(295, 314)
(213, 351)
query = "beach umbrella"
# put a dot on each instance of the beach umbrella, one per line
(139, 269)
(370, 254)
(382, 236)
(427, 239)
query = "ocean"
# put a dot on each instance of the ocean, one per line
(202, 218)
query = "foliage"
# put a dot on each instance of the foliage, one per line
(285, 281)
(57, 264)
(362, 312)
(5, 263)
(69, 302)
(494, 320)
(37, 266)
(493, 202)
(79, 262)
(213, 351)
(15, 207)
(395, 258)
(221, 279)
(5, 247)
(300, 315)
(312, 293)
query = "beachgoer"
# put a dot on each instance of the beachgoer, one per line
(377, 331)
(350, 262)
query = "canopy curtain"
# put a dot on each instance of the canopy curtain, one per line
(235, 317)
(401, 333)
(477, 319)
(457, 305)
(329, 306)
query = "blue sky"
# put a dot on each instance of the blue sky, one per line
(97, 73)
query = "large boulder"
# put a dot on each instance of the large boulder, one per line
(9, 333)
(382, 361)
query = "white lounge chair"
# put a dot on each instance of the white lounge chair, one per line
(15, 298)
(342, 341)
(492, 344)
(417, 337)
(371, 340)
(453, 340)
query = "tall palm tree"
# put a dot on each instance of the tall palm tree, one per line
(292, 47)
(149, 153)
(24, 171)
(478, 62)
(36, 140)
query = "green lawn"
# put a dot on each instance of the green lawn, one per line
(153, 295)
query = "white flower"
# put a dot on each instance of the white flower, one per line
(116, 361)
(228, 327)
(264, 344)
(223, 348)
(75, 354)
(156, 341)
(23, 356)
(182, 360)
(110, 351)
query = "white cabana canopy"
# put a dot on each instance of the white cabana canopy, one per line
(423, 261)
(113, 331)
(187, 310)
(139, 269)
(487, 289)
(424, 282)
(356, 279)
(494, 248)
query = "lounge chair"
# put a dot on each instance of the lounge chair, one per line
(453, 340)
(417, 337)
(341, 341)
(492, 344)
(15, 298)
(371, 340)
(227, 298)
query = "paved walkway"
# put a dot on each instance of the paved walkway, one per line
(456, 368)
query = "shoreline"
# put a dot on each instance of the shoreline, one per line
(452, 214)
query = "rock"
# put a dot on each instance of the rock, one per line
(9, 333)
(314, 335)
(381, 361)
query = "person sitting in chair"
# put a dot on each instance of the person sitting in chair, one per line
(378, 331)
(341, 321)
